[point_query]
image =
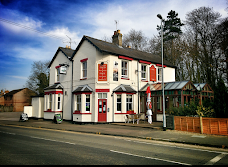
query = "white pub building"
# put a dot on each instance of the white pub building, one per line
(101, 81)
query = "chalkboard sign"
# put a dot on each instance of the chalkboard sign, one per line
(23, 117)
(57, 118)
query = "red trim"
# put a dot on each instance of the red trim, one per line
(53, 92)
(126, 58)
(49, 110)
(159, 65)
(83, 79)
(79, 112)
(125, 78)
(121, 113)
(57, 66)
(145, 62)
(84, 60)
(144, 80)
(102, 90)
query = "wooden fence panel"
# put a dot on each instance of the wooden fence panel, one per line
(218, 126)
(190, 124)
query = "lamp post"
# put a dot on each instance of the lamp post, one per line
(163, 94)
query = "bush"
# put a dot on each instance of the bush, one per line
(6, 108)
(188, 109)
(205, 111)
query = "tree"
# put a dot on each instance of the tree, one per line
(221, 36)
(201, 23)
(136, 40)
(220, 99)
(39, 77)
(43, 83)
(172, 41)
(172, 26)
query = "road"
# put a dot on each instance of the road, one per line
(36, 146)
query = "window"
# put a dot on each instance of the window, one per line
(102, 95)
(78, 102)
(159, 103)
(129, 103)
(50, 101)
(118, 103)
(87, 102)
(57, 74)
(84, 69)
(143, 72)
(59, 101)
(124, 69)
(160, 74)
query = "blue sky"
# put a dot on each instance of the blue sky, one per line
(21, 44)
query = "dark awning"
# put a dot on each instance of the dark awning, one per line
(124, 88)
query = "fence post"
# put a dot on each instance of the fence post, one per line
(201, 124)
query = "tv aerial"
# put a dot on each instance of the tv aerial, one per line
(70, 41)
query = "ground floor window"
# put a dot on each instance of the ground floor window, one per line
(118, 102)
(50, 101)
(88, 103)
(78, 102)
(59, 101)
(159, 103)
(129, 103)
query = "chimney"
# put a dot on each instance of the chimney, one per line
(67, 46)
(117, 38)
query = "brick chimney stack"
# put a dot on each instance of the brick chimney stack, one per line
(117, 38)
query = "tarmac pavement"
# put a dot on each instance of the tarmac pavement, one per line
(142, 130)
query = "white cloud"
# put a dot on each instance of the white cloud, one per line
(18, 77)
(141, 15)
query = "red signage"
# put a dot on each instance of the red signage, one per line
(152, 73)
(102, 72)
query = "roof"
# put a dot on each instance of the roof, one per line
(66, 51)
(13, 92)
(114, 49)
(55, 86)
(177, 85)
(83, 88)
(199, 86)
(124, 88)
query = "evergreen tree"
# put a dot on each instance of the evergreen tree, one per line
(220, 100)
(172, 27)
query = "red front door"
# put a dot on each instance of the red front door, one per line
(102, 110)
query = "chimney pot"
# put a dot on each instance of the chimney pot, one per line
(117, 38)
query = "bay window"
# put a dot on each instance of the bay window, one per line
(129, 103)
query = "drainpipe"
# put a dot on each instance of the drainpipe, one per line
(138, 84)
(72, 91)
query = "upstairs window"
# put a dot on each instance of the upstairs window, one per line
(124, 69)
(143, 72)
(84, 69)
(57, 75)
(160, 74)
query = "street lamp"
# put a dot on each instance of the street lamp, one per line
(163, 94)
